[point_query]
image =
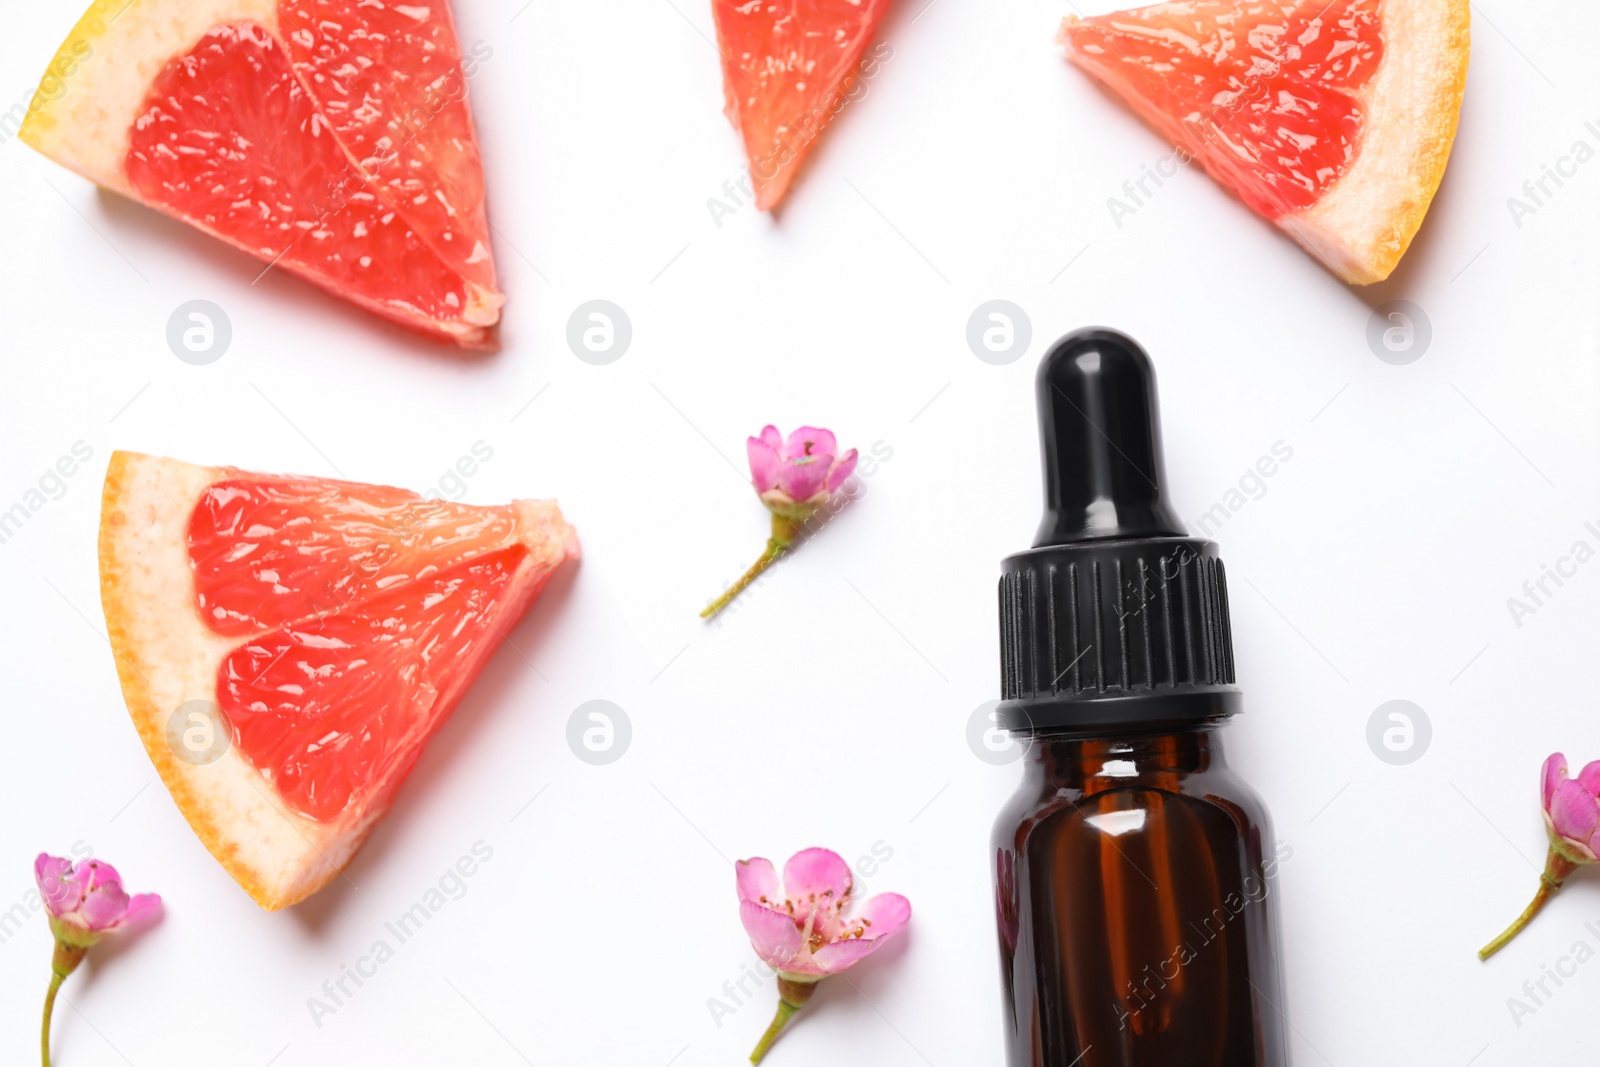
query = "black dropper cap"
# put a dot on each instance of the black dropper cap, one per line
(1116, 619)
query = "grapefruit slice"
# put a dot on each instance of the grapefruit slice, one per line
(287, 645)
(330, 138)
(1332, 118)
(788, 67)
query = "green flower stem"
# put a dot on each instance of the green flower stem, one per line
(783, 534)
(1556, 869)
(49, 1009)
(786, 1011)
(66, 960)
(792, 996)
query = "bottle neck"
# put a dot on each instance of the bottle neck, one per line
(1077, 762)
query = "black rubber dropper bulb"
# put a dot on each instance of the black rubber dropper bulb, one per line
(1100, 432)
(1116, 618)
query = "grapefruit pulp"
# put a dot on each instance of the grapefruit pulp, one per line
(1332, 118)
(789, 66)
(287, 645)
(329, 138)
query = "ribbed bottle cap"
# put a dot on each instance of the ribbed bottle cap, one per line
(1115, 619)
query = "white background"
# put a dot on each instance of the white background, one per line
(832, 707)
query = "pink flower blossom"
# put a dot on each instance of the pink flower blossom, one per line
(794, 478)
(1572, 823)
(798, 473)
(807, 928)
(85, 902)
(1572, 809)
(810, 932)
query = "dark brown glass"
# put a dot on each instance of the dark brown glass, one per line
(1135, 888)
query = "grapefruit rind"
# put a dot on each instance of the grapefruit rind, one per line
(84, 109)
(166, 656)
(1365, 221)
(83, 113)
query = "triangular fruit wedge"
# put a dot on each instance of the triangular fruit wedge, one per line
(330, 138)
(1332, 118)
(789, 66)
(287, 645)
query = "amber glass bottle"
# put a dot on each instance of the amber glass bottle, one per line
(1135, 875)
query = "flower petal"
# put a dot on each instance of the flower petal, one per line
(879, 919)
(46, 866)
(764, 463)
(805, 478)
(1554, 773)
(816, 874)
(842, 955)
(1589, 777)
(884, 915)
(758, 881)
(104, 906)
(773, 934)
(96, 873)
(843, 467)
(61, 893)
(143, 906)
(810, 441)
(1573, 812)
(771, 436)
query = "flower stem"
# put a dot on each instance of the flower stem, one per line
(49, 1009)
(62, 963)
(783, 532)
(1556, 869)
(768, 558)
(786, 1011)
(792, 996)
